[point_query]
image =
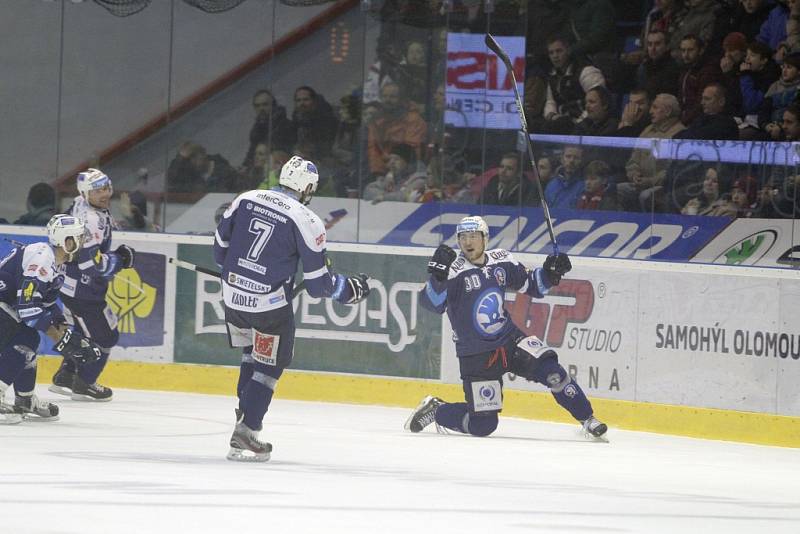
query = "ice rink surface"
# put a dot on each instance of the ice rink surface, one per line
(152, 462)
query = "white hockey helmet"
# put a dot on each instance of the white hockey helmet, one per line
(92, 179)
(474, 224)
(297, 174)
(61, 227)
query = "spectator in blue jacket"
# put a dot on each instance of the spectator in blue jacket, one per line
(773, 31)
(564, 189)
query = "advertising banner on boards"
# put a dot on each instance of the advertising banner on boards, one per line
(389, 334)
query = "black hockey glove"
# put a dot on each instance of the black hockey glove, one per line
(358, 288)
(126, 255)
(440, 262)
(555, 267)
(74, 346)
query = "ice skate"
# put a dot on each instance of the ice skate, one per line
(62, 382)
(81, 391)
(594, 429)
(424, 414)
(8, 415)
(245, 445)
(31, 407)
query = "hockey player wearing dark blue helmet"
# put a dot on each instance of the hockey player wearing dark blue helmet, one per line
(470, 286)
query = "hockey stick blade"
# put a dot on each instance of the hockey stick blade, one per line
(494, 47)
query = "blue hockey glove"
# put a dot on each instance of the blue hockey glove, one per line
(555, 267)
(440, 262)
(74, 346)
(126, 255)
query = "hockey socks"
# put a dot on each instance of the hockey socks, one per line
(245, 373)
(91, 371)
(572, 398)
(453, 416)
(256, 397)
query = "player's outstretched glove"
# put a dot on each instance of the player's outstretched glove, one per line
(358, 288)
(76, 347)
(555, 267)
(126, 256)
(440, 262)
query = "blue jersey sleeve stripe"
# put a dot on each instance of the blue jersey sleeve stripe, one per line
(437, 299)
(316, 274)
(221, 242)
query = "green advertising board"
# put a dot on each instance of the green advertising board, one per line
(389, 334)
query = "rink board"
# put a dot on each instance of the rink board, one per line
(747, 427)
(700, 350)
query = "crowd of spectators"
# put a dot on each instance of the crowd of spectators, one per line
(710, 70)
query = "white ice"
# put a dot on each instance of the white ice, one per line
(152, 462)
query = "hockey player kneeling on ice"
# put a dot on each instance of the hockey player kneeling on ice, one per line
(85, 285)
(258, 243)
(471, 287)
(29, 286)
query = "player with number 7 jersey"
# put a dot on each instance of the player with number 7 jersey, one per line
(258, 243)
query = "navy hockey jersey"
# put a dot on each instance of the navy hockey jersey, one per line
(87, 277)
(29, 285)
(474, 296)
(258, 243)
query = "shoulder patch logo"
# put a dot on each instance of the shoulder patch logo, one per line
(500, 276)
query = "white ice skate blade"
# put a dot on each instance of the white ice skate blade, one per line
(39, 419)
(88, 398)
(61, 390)
(589, 437)
(10, 418)
(241, 455)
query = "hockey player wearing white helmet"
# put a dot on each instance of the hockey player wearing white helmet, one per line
(471, 287)
(85, 284)
(258, 243)
(29, 287)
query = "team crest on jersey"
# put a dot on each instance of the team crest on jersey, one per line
(27, 292)
(489, 313)
(500, 276)
(98, 257)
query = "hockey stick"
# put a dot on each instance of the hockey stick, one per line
(299, 288)
(494, 47)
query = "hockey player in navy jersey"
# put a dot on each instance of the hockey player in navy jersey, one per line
(29, 286)
(471, 286)
(85, 284)
(258, 243)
